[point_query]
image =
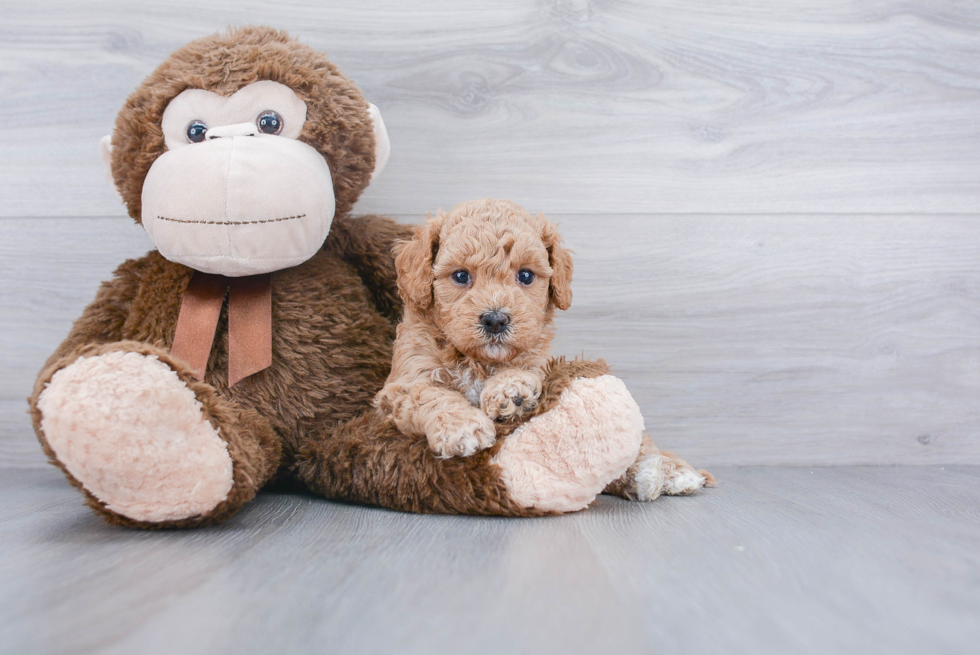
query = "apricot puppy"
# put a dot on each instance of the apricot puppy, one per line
(480, 286)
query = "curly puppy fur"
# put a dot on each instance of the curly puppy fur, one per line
(481, 284)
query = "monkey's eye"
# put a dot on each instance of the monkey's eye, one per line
(196, 131)
(525, 277)
(461, 277)
(269, 122)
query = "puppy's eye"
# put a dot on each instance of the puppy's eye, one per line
(525, 276)
(196, 130)
(461, 277)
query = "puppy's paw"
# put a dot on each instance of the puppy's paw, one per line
(509, 393)
(683, 481)
(460, 433)
(657, 472)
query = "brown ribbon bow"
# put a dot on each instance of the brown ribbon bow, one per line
(249, 323)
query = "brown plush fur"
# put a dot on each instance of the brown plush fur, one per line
(333, 316)
(331, 349)
(337, 121)
(307, 417)
(365, 461)
(445, 365)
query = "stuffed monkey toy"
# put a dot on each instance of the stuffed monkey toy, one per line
(247, 348)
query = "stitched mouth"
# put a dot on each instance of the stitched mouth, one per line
(267, 220)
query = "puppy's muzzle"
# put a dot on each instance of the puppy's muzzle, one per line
(495, 322)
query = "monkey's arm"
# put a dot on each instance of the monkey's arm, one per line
(366, 243)
(586, 432)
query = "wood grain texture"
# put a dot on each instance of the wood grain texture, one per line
(753, 339)
(745, 339)
(650, 107)
(775, 560)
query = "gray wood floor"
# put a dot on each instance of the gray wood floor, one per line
(775, 560)
(570, 105)
(775, 209)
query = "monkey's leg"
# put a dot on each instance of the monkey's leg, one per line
(587, 433)
(148, 444)
(657, 472)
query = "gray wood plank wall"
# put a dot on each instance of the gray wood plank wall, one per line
(775, 205)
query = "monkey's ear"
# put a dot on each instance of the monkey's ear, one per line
(382, 146)
(413, 263)
(561, 265)
(105, 151)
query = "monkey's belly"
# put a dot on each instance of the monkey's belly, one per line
(331, 352)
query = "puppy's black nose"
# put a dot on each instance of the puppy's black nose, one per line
(494, 322)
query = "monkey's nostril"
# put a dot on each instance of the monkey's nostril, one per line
(494, 322)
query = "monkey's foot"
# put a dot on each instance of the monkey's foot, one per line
(561, 460)
(133, 434)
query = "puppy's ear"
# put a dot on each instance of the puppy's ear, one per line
(561, 265)
(413, 262)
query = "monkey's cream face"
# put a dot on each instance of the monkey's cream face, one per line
(236, 193)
